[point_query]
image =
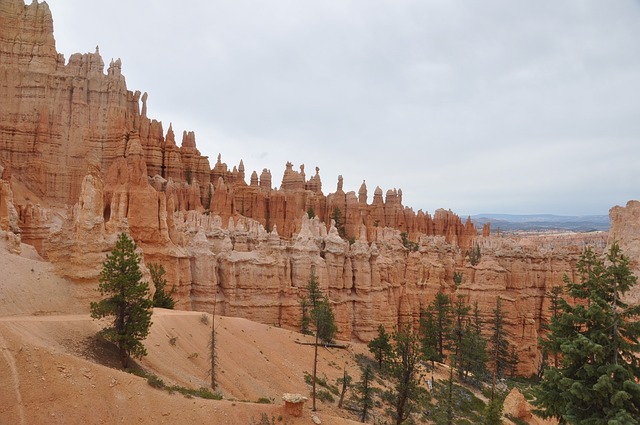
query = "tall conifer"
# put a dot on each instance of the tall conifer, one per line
(596, 337)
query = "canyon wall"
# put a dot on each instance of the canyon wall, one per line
(625, 230)
(81, 162)
(250, 272)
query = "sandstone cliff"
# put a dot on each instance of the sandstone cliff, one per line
(625, 229)
(78, 141)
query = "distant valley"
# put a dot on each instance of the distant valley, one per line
(542, 222)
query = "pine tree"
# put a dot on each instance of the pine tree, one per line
(363, 393)
(493, 412)
(474, 349)
(404, 372)
(554, 309)
(499, 346)
(309, 302)
(305, 320)
(429, 338)
(381, 347)
(339, 221)
(596, 337)
(460, 327)
(161, 298)
(128, 300)
(443, 322)
(323, 320)
(474, 255)
(457, 279)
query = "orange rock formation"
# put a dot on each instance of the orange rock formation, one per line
(73, 135)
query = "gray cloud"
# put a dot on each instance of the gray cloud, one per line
(493, 106)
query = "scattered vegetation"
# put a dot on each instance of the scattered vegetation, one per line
(325, 396)
(161, 298)
(264, 420)
(339, 221)
(453, 404)
(410, 245)
(457, 279)
(474, 255)
(209, 197)
(156, 382)
(322, 382)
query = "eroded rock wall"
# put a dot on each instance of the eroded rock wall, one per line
(625, 230)
(74, 135)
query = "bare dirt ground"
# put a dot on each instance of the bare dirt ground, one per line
(53, 370)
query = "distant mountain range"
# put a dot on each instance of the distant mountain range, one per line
(542, 222)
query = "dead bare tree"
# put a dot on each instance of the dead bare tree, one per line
(212, 345)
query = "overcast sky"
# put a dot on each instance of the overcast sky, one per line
(528, 106)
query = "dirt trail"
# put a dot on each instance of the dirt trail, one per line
(46, 318)
(14, 377)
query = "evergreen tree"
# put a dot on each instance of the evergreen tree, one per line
(305, 320)
(477, 347)
(474, 255)
(460, 327)
(596, 337)
(443, 321)
(474, 349)
(309, 302)
(493, 412)
(161, 298)
(339, 220)
(311, 213)
(429, 338)
(554, 309)
(363, 393)
(323, 319)
(499, 346)
(128, 300)
(513, 361)
(404, 372)
(457, 279)
(381, 347)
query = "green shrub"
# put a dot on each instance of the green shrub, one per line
(155, 382)
(325, 396)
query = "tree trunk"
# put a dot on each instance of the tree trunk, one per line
(344, 388)
(124, 357)
(315, 369)
(214, 359)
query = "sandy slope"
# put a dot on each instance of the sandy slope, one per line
(52, 370)
(47, 374)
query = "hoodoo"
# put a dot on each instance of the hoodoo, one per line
(82, 162)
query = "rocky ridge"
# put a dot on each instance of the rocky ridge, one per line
(82, 162)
